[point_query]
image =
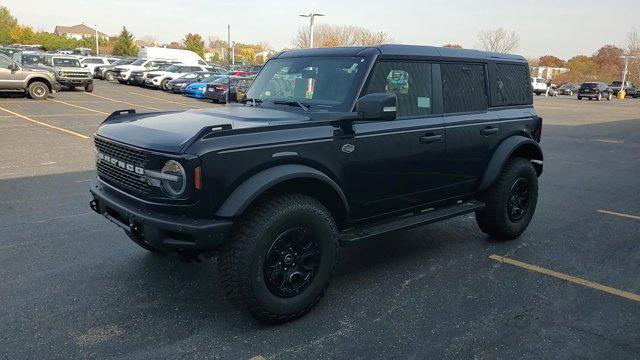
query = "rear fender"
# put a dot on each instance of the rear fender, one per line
(512, 146)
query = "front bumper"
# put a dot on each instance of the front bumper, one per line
(74, 81)
(162, 230)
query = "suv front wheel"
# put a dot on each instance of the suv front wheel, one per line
(279, 258)
(510, 201)
(38, 90)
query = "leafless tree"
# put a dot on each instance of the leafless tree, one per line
(634, 51)
(498, 40)
(148, 40)
(339, 35)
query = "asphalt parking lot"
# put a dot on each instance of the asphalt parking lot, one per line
(73, 285)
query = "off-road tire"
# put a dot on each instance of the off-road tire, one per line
(494, 219)
(109, 76)
(242, 258)
(38, 90)
(89, 87)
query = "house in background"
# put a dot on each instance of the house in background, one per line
(78, 32)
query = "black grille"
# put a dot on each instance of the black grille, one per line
(116, 175)
(76, 74)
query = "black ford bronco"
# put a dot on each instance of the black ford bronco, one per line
(332, 146)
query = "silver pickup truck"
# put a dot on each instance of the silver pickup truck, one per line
(37, 82)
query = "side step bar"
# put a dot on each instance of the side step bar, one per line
(353, 235)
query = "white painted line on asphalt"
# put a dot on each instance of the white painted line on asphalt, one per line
(49, 163)
(45, 124)
(124, 102)
(610, 141)
(573, 279)
(79, 107)
(81, 181)
(166, 100)
(634, 217)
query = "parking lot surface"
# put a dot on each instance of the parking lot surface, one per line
(73, 284)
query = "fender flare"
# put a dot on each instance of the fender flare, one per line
(39, 78)
(250, 189)
(504, 152)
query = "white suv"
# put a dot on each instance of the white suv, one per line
(160, 79)
(93, 61)
(539, 85)
(122, 73)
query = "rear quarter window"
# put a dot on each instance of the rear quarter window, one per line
(510, 85)
(464, 88)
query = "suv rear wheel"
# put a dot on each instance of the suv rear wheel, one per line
(278, 260)
(164, 84)
(109, 76)
(38, 90)
(510, 201)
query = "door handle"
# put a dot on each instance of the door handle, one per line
(430, 138)
(489, 130)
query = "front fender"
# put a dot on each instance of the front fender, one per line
(257, 184)
(515, 144)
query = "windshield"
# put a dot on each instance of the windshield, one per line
(138, 62)
(173, 68)
(122, 62)
(589, 85)
(64, 62)
(31, 60)
(328, 83)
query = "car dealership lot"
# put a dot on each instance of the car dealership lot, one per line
(74, 285)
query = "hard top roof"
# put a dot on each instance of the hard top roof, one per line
(402, 50)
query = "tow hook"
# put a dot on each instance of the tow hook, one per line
(93, 204)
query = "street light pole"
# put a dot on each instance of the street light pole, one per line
(97, 46)
(624, 72)
(311, 17)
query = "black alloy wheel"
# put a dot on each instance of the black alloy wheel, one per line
(292, 261)
(518, 200)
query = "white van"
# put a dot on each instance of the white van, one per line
(539, 85)
(185, 57)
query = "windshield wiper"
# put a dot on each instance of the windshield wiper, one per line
(254, 102)
(304, 107)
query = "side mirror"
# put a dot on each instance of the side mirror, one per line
(84, 65)
(13, 67)
(378, 106)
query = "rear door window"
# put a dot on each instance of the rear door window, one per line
(510, 85)
(464, 88)
(410, 81)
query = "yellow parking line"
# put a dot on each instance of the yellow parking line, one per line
(619, 214)
(79, 107)
(169, 101)
(566, 277)
(65, 115)
(124, 102)
(45, 124)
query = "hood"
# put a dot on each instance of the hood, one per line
(173, 132)
(38, 69)
(130, 67)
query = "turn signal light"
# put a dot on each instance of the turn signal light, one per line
(197, 178)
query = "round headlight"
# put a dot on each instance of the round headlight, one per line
(175, 184)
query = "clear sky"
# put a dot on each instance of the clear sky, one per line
(562, 28)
